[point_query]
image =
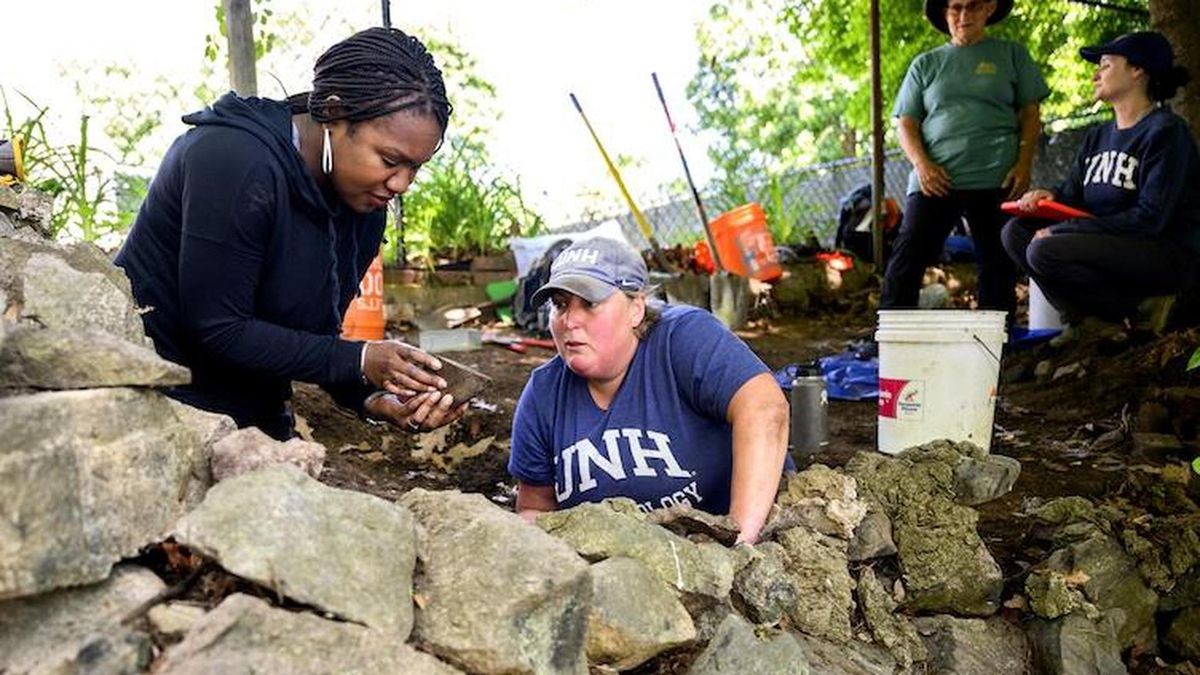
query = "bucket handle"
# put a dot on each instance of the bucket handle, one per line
(986, 348)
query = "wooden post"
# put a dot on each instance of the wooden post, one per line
(877, 157)
(239, 28)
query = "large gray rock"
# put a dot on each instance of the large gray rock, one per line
(67, 630)
(817, 565)
(973, 646)
(1166, 547)
(947, 567)
(1054, 593)
(347, 553)
(686, 520)
(1075, 645)
(250, 449)
(114, 651)
(854, 658)
(25, 213)
(246, 635)
(736, 650)
(174, 619)
(821, 499)
(617, 528)
(1108, 578)
(763, 590)
(1066, 510)
(74, 288)
(634, 615)
(88, 478)
(893, 631)
(1183, 637)
(980, 480)
(209, 428)
(497, 595)
(872, 538)
(53, 358)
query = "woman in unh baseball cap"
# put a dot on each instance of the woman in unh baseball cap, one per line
(659, 404)
(1139, 177)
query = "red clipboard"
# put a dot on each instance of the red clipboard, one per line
(1047, 209)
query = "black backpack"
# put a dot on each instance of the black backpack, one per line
(527, 316)
(854, 209)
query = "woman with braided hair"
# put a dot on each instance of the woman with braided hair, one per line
(262, 219)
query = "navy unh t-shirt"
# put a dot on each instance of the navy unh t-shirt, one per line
(664, 439)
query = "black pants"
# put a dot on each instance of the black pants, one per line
(1100, 275)
(927, 222)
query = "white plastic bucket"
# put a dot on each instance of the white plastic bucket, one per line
(938, 370)
(1042, 315)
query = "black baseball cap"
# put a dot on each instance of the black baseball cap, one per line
(1147, 50)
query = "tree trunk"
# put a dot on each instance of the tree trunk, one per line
(1179, 20)
(239, 27)
(849, 142)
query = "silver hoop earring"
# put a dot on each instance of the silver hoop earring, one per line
(327, 154)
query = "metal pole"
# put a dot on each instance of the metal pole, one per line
(397, 209)
(712, 242)
(876, 143)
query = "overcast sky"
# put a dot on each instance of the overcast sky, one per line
(534, 51)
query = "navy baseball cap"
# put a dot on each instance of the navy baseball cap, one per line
(594, 269)
(1147, 50)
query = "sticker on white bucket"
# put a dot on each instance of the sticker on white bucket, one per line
(901, 399)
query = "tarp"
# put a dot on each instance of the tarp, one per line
(527, 250)
(848, 376)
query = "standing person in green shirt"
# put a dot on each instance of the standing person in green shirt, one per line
(968, 118)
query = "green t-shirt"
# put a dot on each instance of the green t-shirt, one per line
(967, 99)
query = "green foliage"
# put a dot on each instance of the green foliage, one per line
(460, 206)
(787, 83)
(94, 178)
(265, 37)
(1194, 362)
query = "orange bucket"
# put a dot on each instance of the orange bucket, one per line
(364, 318)
(744, 243)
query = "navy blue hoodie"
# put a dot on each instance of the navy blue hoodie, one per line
(247, 267)
(1141, 182)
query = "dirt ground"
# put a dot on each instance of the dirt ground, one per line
(1052, 427)
(1047, 426)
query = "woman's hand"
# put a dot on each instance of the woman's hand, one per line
(1029, 201)
(422, 412)
(1017, 180)
(534, 500)
(401, 369)
(934, 180)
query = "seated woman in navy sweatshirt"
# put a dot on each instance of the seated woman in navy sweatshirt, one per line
(1139, 176)
(262, 219)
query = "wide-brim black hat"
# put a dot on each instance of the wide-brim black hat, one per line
(935, 11)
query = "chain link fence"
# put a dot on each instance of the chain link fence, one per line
(812, 197)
